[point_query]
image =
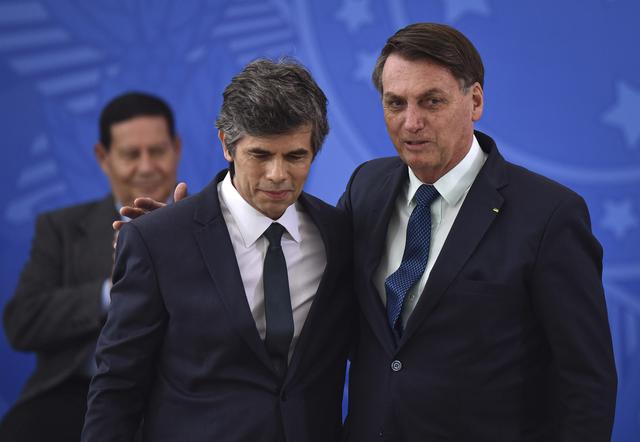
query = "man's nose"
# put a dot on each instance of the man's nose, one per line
(414, 119)
(277, 170)
(146, 164)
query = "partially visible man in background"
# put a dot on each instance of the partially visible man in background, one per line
(62, 296)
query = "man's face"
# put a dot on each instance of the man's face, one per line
(270, 171)
(142, 160)
(428, 115)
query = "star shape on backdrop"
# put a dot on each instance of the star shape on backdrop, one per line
(454, 9)
(619, 217)
(365, 61)
(355, 14)
(624, 114)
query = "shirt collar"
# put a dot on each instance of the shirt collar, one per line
(453, 184)
(252, 223)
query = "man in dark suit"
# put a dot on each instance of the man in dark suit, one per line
(60, 303)
(482, 313)
(230, 311)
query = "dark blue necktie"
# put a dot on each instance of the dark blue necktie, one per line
(414, 259)
(277, 301)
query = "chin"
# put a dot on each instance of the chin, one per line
(274, 211)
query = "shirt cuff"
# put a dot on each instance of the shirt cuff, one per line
(106, 294)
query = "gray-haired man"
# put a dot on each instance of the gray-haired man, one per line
(215, 334)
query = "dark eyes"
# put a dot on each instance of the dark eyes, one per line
(291, 157)
(154, 152)
(394, 104)
(431, 103)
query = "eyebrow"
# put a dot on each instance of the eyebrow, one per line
(428, 92)
(130, 147)
(260, 150)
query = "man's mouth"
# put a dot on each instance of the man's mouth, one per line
(277, 195)
(147, 185)
(415, 144)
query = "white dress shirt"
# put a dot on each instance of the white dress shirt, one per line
(453, 188)
(302, 246)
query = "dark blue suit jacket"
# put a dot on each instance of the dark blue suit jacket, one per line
(181, 349)
(510, 339)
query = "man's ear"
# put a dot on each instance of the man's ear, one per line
(177, 145)
(225, 151)
(478, 101)
(101, 155)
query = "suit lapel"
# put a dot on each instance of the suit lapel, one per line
(382, 209)
(324, 288)
(474, 219)
(215, 245)
(98, 234)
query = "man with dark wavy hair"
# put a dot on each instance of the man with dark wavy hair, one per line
(236, 328)
(482, 313)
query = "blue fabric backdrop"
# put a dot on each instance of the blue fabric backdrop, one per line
(562, 98)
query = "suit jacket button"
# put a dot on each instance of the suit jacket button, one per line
(396, 365)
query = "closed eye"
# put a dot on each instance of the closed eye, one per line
(298, 155)
(259, 153)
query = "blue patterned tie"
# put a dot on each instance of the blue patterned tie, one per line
(414, 259)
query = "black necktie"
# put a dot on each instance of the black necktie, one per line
(414, 259)
(277, 301)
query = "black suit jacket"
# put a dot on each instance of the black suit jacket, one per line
(57, 310)
(509, 340)
(181, 349)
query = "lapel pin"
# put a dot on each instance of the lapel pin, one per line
(496, 210)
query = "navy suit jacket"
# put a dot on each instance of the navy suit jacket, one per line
(180, 348)
(510, 339)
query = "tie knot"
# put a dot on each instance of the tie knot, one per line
(425, 195)
(274, 234)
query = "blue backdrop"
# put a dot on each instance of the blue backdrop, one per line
(562, 98)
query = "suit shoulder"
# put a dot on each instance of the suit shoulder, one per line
(330, 220)
(77, 211)
(539, 186)
(316, 203)
(170, 217)
(379, 165)
(313, 203)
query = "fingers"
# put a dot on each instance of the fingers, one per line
(145, 204)
(132, 212)
(180, 192)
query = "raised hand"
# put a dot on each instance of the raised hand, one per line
(145, 205)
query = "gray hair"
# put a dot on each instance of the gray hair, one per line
(272, 98)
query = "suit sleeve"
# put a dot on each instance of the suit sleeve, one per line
(344, 203)
(44, 312)
(128, 344)
(569, 299)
